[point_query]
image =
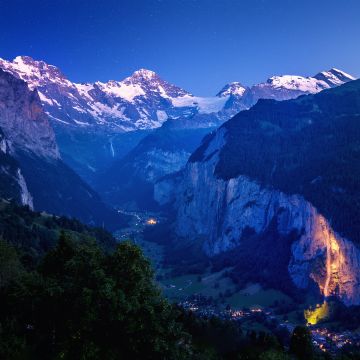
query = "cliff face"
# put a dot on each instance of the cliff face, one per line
(327, 258)
(219, 211)
(23, 120)
(12, 183)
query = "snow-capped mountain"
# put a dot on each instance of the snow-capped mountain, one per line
(334, 77)
(284, 87)
(145, 101)
(234, 88)
(140, 101)
(290, 86)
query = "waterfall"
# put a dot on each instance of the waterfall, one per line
(333, 259)
(328, 265)
(112, 148)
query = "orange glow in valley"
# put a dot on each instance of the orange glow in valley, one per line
(314, 315)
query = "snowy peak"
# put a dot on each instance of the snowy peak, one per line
(144, 74)
(234, 88)
(282, 87)
(291, 86)
(149, 81)
(293, 82)
(322, 80)
(144, 84)
(35, 73)
(334, 77)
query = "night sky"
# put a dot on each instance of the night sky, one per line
(197, 44)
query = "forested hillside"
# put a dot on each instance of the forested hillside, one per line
(69, 291)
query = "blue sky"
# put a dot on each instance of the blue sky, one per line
(197, 44)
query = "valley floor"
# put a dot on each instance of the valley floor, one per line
(214, 294)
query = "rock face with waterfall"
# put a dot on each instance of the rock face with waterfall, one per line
(12, 183)
(281, 179)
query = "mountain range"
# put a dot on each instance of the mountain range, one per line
(98, 124)
(145, 101)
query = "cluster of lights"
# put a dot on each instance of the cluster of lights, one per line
(237, 313)
(256, 310)
(338, 339)
(151, 221)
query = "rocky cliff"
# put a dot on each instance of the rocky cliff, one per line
(220, 198)
(23, 120)
(219, 213)
(13, 186)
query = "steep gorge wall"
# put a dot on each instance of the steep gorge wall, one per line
(12, 183)
(218, 213)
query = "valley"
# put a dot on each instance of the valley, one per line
(253, 308)
(179, 180)
(227, 235)
(241, 240)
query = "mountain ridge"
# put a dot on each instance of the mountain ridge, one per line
(145, 101)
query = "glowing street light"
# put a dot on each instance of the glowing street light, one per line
(151, 221)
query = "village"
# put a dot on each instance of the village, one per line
(323, 339)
